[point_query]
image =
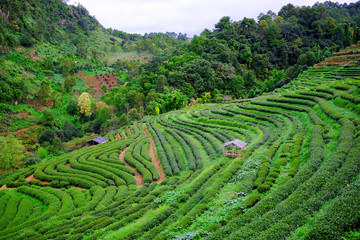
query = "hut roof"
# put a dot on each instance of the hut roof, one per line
(99, 140)
(236, 142)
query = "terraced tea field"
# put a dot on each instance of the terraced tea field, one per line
(297, 179)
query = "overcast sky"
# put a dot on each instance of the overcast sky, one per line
(185, 16)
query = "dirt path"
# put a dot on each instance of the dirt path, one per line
(138, 177)
(155, 159)
(23, 130)
(117, 136)
(5, 187)
(32, 178)
(80, 188)
(124, 133)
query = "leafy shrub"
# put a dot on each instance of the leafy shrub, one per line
(31, 160)
(252, 199)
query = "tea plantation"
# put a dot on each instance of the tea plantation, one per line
(297, 179)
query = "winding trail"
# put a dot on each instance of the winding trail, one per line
(138, 177)
(124, 133)
(155, 159)
(5, 187)
(117, 136)
(32, 178)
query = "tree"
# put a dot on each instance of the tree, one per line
(67, 66)
(31, 160)
(44, 90)
(134, 114)
(12, 151)
(275, 79)
(48, 118)
(84, 104)
(206, 97)
(161, 83)
(236, 86)
(69, 82)
(72, 107)
(47, 136)
(104, 114)
(81, 48)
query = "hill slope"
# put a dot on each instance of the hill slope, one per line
(298, 178)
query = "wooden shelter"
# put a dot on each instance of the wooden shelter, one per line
(96, 141)
(233, 148)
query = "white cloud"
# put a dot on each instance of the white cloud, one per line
(186, 16)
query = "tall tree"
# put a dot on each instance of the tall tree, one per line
(84, 104)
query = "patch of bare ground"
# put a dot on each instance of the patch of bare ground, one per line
(138, 177)
(32, 178)
(3, 187)
(117, 136)
(80, 188)
(124, 133)
(154, 157)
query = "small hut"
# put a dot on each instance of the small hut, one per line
(233, 148)
(96, 141)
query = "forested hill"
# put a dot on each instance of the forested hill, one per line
(250, 53)
(25, 22)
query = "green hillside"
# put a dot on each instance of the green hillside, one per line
(167, 105)
(298, 178)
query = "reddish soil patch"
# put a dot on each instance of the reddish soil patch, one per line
(68, 165)
(117, 136)
(138, 177)
(124, 133)
(106, 79)
(154, 157)
(339, 60)
(32, 178)
(77, 187)
(342, 58)
(23, 115)
(40, 105)
(21, 132)
(97, 82)
(233, 154)
(5, 187)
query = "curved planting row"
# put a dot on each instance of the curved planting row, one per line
(86, 168)
(298, 178)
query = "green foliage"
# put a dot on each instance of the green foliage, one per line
(84, 104)
(42, 152)
(12, 153)
(31, 160)
(48, 118)
(298, 179)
